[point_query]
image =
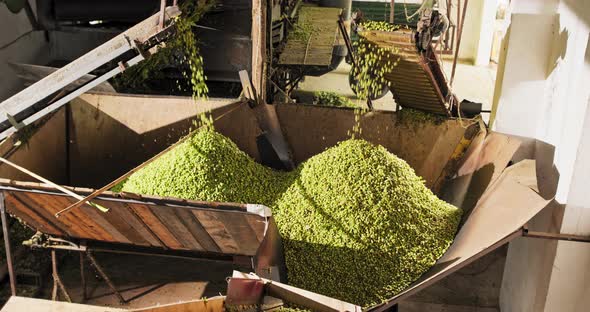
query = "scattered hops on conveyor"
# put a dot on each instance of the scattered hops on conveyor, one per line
(357, 223)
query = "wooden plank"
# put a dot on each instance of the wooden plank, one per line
(52, 204)
(125, 213)
(44, 213)
(217, 230)
(258, 224)
(318, 48)
(215, 304)
(197, 230)
(19, 304)
(169, 218)
(238, 227)
(15, 206)
(157, 227)
(117, 227)
(86, 224)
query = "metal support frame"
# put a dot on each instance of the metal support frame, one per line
(82, 277)
(554, 236)
(7, 246)
(22, 105)
(57, 282)
(55, 244)
(348, 43)
(59, 285)
(105, 277)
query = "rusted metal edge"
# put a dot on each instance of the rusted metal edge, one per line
(121, 248)
(110, 185)
(396, 299)
(17, 186)
(424, 63)
(458, 155)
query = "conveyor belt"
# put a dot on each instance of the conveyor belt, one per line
(417, 81)
(316, 47)
(55, 90)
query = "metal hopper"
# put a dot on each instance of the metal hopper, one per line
(97, 138)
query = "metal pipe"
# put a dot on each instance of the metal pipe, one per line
(57, 186)
(7, 246)
(105, 277)
(556, 236)
(459, 35)
(57, 283)
(162, 13)
(82, 276)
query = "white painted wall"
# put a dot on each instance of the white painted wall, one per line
(471, 30)
(486, 32)
(478, 31)
(544, 93)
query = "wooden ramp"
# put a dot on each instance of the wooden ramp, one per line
(312, 40)
(417, 81)
(170, 224)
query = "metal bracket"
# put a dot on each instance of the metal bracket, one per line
(17, 125)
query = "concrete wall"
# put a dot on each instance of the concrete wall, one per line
(18, 43)
(478, 31)
(542, 92)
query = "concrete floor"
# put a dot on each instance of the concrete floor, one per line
(144, 281)
(474, 83)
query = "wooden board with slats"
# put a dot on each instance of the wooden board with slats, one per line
(175, 224)
(417, 80)
(320, 28)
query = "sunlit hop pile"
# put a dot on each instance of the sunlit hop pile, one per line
(357, 223)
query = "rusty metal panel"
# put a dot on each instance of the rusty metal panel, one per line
(417, 81)
(501, 212)
(309, 130)
(175, 224)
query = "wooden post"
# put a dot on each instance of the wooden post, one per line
(392, 12)
(259, 49)
(7, 246)
(162, 14)
(82, 276)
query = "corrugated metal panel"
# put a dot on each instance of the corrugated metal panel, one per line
(417, 81)
(173, 224)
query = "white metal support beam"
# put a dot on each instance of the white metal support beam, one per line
(68, 74)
